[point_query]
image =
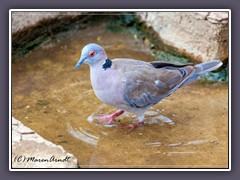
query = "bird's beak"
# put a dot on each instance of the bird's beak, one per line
(81, 61)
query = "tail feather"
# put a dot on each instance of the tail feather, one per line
(205, 67)
(202, 68)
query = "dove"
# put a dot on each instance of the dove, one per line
(134, 85)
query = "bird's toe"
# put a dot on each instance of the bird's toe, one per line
(130, 127)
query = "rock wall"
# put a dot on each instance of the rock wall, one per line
(30, 29)
(200, 36)
(21, 20)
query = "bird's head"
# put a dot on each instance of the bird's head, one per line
(91, 54)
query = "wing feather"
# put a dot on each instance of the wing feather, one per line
(146, 84)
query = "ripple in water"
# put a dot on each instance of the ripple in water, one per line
(83, 135)
(160, 120)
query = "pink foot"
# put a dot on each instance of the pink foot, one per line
(132, 126)
(109, 118)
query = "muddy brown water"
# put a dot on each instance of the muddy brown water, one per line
(187, 130)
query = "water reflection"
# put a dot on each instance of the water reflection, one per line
(153, 144)
(110, 154)
(160, 120)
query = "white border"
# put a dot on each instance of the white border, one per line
(229, 88)
(115, 10)
(119, 10)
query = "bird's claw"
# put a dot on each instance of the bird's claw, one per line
(109, 118)
(106, 118)
(130, 127)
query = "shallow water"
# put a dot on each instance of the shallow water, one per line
(187, 130)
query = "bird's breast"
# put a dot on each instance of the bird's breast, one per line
(107, 85)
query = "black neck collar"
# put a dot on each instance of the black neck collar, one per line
(107, 64)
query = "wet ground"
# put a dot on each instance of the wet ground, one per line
(187, 130)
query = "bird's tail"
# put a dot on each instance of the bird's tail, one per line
(202, 68)
(205, 67)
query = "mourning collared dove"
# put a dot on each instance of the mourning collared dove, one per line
(133, 85)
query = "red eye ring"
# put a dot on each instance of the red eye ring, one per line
(92, 53)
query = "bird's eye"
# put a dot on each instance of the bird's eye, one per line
(92, 53)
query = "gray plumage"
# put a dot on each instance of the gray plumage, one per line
(134, 85)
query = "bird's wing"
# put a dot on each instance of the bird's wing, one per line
(146, 84)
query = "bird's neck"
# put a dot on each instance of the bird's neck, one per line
(102, 65)
(107, 64)
(101, 74)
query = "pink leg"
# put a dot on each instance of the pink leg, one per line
(132, 126)
(109, 118)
